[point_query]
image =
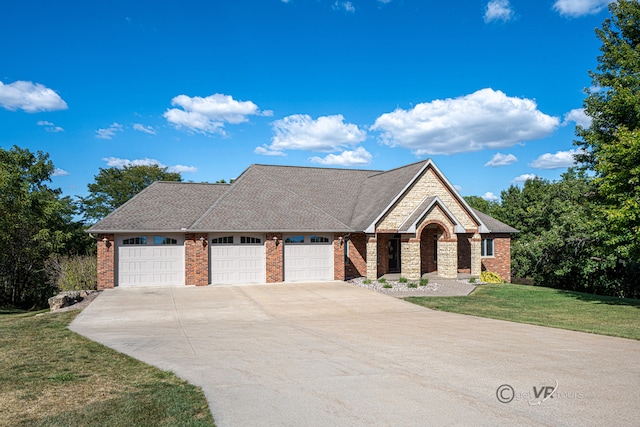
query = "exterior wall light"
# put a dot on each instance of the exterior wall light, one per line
(203, 241)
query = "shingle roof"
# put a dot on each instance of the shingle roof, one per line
(271, 198)
(493, 224)
(162, 206)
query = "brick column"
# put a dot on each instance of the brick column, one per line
(357, 256)
(275, 258)
(338, 256)
(410, 261)
(106, 261)
(476, 252)
(448, 258)
(196, 259)
(372, 257)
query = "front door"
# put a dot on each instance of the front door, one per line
(394, 254)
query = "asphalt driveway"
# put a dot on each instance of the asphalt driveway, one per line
(319, 354)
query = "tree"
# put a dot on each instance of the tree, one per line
(611, 144)
(488, 207)
(114, 186)
(35, 222)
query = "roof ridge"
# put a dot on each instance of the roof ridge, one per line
(398, 168)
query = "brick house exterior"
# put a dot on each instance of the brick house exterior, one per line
(276, 224)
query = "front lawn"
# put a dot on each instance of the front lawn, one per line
(50, 376)
(555, 308)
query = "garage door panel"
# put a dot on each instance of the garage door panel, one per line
(308, 262)
(149, 265)
(235, 263)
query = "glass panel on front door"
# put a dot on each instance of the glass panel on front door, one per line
(394, 255)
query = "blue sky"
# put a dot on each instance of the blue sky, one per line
(490, 90)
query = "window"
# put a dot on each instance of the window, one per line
(250, 240)
(294, 239)
(142, 240)
(487, 247)
(161, 240)
(319, 239)
(222, 240)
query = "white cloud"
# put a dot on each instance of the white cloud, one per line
(30, 97)
(489, 196)
(49, 127)
(385, 1)
(327, 133)
(146, 129)
(561, 159)
(523, 178)
(183, 169)
(484, 119)
(578, 116)
(110, 132)
(59, 172)
(266, 151)
(347, 6)
(576, 8)
(500, 159)
(498, 10)
(121, 163)
(209, 115)
(359, 156)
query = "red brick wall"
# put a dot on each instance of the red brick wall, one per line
(275, 258)
(501, 261)
(464, 253)
(196, 258)
(106, 261)
(357, 266)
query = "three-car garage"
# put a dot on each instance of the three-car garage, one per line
(234, 258)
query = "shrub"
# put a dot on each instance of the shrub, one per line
(472, 280)
(412, 285)
(387, 286)
(366, 281)
(382, 280)
(74, 273)
(402, 280)
(424, 282)
(490, 277)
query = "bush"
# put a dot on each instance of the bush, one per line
(366, 281)
(472, 280)
(424, 282)
(387, 286)
(490, 277)
(402, 280)
(382, 280)
(412, 285)
(74, 273)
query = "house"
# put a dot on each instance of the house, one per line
(283, 223)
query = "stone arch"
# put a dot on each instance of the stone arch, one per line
(427, 235)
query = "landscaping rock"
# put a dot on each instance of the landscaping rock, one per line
(69, 298)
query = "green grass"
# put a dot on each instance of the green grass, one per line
(50, 376)
(555, 308)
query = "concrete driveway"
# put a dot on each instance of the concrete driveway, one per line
(320, 354)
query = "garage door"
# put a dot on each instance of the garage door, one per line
(238, 259)
(150, 260)
(308, 258)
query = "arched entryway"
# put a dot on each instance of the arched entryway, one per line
(430, 235)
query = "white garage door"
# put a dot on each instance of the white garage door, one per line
(238, 259)
(150, 260)
(308, 258)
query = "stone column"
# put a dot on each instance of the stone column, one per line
(476, 255)
(410, 261)
(448, 258)
(372, 257)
